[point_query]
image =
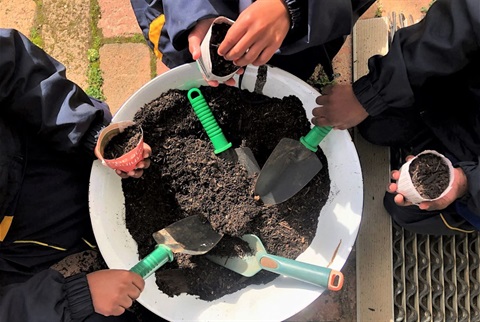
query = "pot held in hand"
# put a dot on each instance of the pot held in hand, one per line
(426, 177)
(212, 66)
(120, 146)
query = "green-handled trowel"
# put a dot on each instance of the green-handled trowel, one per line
(290, 166)
(222, 147)
(192, 235)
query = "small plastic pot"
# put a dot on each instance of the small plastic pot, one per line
(406, 187)
(129, 160)
(205, 61)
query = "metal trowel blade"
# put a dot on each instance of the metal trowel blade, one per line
(246, 265)
(243, 156)
(288, 169)
(192, 235)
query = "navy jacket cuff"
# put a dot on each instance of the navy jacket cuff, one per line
(78, 297)
(368, 97)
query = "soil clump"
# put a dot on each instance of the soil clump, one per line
(186, 178)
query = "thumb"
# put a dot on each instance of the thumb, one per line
(194, 46)
(195, 37)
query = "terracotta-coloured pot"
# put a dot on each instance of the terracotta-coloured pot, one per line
(129, 160)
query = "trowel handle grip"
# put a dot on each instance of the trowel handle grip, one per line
(314, 137)
(313, 274)
(205, 115)
(153, 261)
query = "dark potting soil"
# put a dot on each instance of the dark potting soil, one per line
(430, 175)
(220, 66)
(186, 178)
(123, 142)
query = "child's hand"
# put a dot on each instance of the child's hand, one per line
(196, 36)
(195, 39)
(339, 108)
(114, 290)
(257, 33)
(392, 187)
(458, 190)
(138, 171)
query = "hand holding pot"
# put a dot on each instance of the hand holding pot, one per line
(129, 162)
(458, 190)
(195, 39)
(140, 166)
(257, 33)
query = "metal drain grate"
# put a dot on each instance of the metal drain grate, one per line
(436, 278)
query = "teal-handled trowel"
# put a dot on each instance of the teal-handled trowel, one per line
(222, 147)
(290, 166)
(261, 260)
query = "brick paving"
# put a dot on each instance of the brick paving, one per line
(65, 30)
(117, 19)
(126, 66)
(18, 14)
(66, 36)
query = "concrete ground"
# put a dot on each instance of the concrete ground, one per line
(126, 63)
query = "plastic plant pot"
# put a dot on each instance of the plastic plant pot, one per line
(127, 161)
(406, 187)
(205, 61)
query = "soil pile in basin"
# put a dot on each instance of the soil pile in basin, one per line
(186, 178)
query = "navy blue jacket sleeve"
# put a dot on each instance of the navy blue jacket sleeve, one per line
(47, 296)
(472, 199)
(450, 27)
(34, 89)
(326, 20)
(442, 44)
(169, 35)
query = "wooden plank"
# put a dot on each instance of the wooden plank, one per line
(374, 241)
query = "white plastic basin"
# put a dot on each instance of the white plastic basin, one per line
(283, 297)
